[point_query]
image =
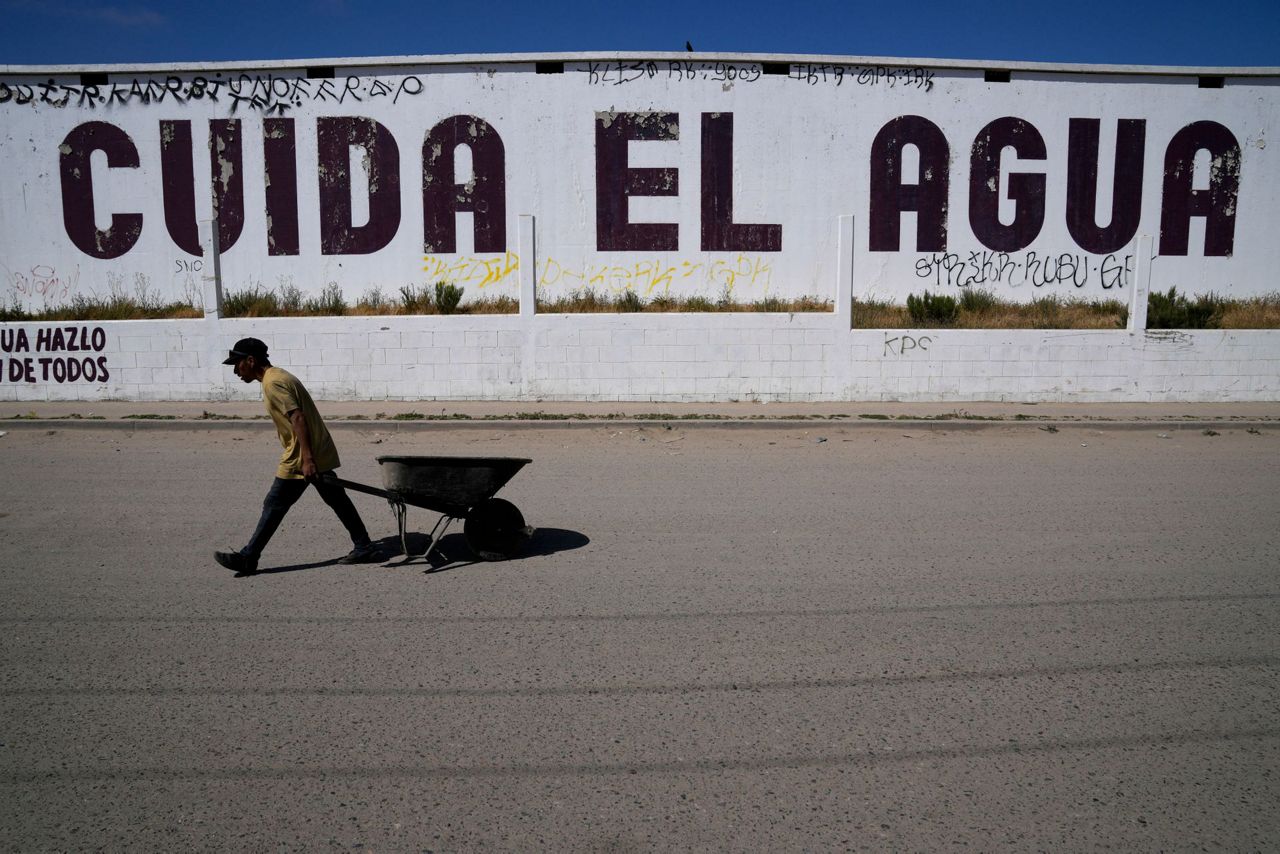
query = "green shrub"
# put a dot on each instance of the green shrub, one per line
(1174, 311)
(254, 301)
(930, 309)
(977, 301)
(448, 296)
(328, 303)
(415, 299)
(1166, 311)
(1206, 311)
(629, 301)
(291, 300)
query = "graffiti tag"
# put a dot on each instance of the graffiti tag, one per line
(1034, 268)
(268, 93)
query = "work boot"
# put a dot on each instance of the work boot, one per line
(361, 554)
(236, 561)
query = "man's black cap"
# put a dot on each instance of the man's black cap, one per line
(246, 347)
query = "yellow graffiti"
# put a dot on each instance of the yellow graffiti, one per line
(643, 276)
(647, 276)
(471, 270)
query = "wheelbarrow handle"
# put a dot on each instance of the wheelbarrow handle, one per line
(330, 477)
(397, 503)
(393, 497)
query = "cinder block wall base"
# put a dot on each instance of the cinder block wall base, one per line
(635, 357)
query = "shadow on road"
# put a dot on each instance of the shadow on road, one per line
(452, 552)
(449, 554)
(272, 570)
(548, 541)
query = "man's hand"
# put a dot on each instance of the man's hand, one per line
(299, 425)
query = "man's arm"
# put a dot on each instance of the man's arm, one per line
(299, 424)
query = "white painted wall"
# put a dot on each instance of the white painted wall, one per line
(654, 357)
(801, 157)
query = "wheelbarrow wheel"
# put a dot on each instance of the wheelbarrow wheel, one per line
(494, 529)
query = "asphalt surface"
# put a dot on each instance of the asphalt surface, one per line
(813, 637)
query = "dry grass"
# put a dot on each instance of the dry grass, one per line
(1257, 313)
(972, 310)
(484, 305)
(114, 307)
(578, 302)
(492, 305)
(979, 310)
(1048, 313)
(593, 302)
(410, 300)
(880, 314)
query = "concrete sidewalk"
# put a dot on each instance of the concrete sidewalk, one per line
(551, 413)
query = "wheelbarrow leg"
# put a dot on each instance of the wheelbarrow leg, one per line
(436, 533)
(400, 511)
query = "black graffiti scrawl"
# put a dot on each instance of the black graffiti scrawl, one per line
(269, 94)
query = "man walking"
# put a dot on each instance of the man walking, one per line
(309, 452)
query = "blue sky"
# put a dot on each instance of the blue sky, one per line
(1145, 32)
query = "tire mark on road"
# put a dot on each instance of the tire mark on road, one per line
(685, 688)
(868, 758)
(658, 616)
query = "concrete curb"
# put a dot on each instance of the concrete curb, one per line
(416, 426)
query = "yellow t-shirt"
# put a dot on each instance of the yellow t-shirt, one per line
(283, 393)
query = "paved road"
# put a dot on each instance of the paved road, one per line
(722, 639)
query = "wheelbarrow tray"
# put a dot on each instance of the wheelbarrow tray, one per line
(448, 485)
(456, 488)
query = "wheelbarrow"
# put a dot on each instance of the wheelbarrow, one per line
(457, 488)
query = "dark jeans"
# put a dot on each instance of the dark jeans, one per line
(285, 493)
